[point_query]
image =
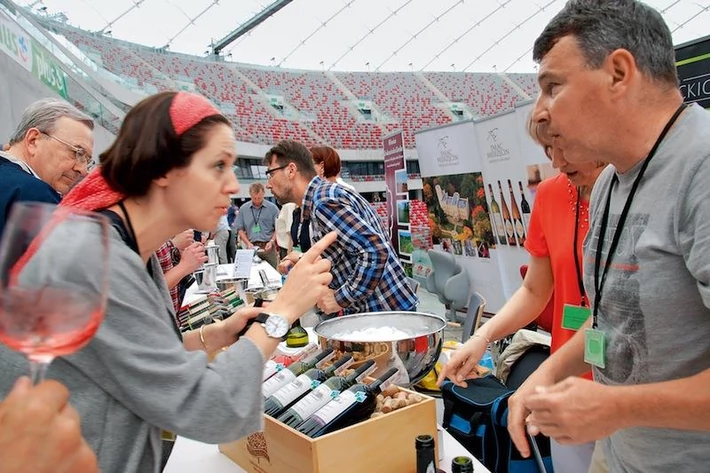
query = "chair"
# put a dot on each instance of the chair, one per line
(449, 281)
(544, 320)
(474, 314)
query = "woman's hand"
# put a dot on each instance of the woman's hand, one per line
(233, 325)
(307, 282)
(463, 363)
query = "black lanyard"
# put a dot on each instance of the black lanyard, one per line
(599, 282)
(256, 216)
(132, 241)
(577, 267)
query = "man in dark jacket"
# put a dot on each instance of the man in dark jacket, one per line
(49, 150)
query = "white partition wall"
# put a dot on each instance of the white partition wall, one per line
(479, 181)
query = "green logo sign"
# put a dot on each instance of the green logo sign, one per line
(46, 70)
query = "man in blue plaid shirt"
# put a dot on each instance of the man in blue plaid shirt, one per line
(367, 274)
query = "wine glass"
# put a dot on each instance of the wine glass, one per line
(50, 305)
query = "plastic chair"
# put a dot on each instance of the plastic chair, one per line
(474, 314)
(449, 281)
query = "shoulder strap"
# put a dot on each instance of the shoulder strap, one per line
(117, 223)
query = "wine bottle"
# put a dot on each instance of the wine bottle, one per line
(280, 362)
(350, 407)
(507, 221)
(462, 464)
(426, 461)
(525, 208)
(517, 219)
(297, 368)
(296, 336)
(302, 385)
(497, 224)
(321, 395)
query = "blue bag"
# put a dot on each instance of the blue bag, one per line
(477, 417)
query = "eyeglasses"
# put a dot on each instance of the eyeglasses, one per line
(270, 172)
(79, 153)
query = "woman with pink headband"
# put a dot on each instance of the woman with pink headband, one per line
(169, 169)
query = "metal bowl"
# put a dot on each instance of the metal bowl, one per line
(415, 354)
(238, 284)
(267, 294)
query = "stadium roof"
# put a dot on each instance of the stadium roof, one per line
(374, 35)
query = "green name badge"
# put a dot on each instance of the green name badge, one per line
(574, 316)
(595, 347)
(256, 229)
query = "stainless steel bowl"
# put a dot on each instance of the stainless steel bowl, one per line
(267, 294)
(238, 284)
(415, 355)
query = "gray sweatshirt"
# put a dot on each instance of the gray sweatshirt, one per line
(135, 377)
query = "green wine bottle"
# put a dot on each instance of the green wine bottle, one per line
(321, 395)
(301, 386)
(297, 336)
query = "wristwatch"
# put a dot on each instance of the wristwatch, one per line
(276, 325)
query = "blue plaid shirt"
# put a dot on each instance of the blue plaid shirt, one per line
(367, 274)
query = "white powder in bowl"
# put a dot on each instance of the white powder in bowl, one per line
(372, 334)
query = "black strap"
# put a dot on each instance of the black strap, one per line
(256, 216)
(577, 267)
(599, 281)
(132, 234)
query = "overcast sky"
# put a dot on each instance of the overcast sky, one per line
(385, 35)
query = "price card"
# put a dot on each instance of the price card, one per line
(243, 261)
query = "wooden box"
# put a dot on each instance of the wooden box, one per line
(384, 444)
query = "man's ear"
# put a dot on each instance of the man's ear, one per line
(621, 68)
(30, 140)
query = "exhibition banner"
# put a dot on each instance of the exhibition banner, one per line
(479, 180)
(693, 63)
(397, 194)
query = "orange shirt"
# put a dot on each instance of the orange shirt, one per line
(551, 234)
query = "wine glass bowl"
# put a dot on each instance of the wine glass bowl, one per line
(53, 281)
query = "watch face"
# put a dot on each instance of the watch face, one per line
(276, 326)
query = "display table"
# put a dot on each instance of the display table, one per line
(225, 271)
(190, 456)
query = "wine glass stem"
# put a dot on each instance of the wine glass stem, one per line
(37, 370)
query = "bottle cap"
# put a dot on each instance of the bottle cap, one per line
(422, 442)
(462, 464)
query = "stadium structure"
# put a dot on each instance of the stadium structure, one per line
(348, 110)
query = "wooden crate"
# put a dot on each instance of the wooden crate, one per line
(384, 444)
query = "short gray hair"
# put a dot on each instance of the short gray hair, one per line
(602, 26)
(43, 115)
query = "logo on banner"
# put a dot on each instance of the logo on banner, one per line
(446, 156)
(496, 152)
(23, 50)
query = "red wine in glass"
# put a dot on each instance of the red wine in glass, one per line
(49, 308)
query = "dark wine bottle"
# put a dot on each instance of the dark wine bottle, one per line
(297, 368)
(323, 394)
(350, 407)
(462, 464)
(296, 336)
(426, 461)
(299, 387)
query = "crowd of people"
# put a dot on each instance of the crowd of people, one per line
(630, 248)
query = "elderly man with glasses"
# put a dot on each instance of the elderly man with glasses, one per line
(49, 150)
